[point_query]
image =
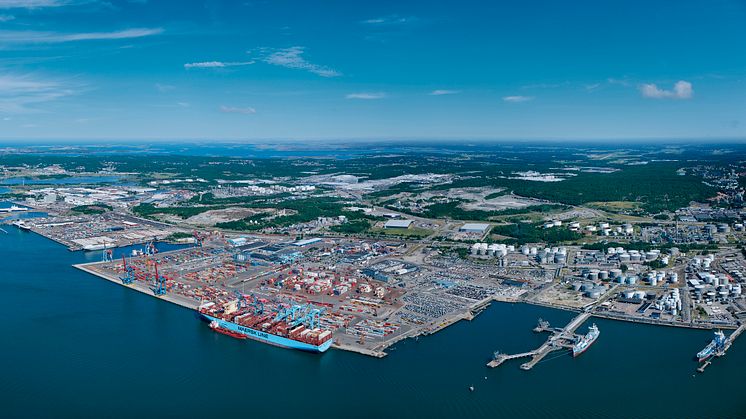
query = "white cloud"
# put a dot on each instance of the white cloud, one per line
(441, 92)
(517, 99)
(366, 96)
(217, 64)
(389, 20)
(681, 90)
(35, 37)
(164, 87)
(293, 58)
(18, 94)
(6, 18)
(31, 4)
(233, 109)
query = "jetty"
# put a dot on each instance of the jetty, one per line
(559, 339)
(722, 351)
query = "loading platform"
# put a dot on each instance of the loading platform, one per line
(728, 342)
(560, 338)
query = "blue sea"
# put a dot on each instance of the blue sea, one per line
(77, 346)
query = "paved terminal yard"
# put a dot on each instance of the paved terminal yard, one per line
(102, 231)
(377, 292)
(372, 296)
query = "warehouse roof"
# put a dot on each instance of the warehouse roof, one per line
(397, 224)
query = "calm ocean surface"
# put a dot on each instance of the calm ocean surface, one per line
(77, 346)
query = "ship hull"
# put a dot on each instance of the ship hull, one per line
(589, 340)
(577, 352)
(265, 337)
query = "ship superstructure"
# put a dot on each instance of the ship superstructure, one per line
(717, 344)
(586, 341)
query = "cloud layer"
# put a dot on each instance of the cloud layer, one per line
(217, 64)
(17, 93)
(366, 95)
(293, 58)
(31, 4)
(517, 99)
(36, 37)
(441, 92)
(681, 90)
(233, 109)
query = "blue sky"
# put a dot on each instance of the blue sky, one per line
(149, 69)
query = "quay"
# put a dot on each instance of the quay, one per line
(560, 338)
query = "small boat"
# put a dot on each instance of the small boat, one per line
(216, 327)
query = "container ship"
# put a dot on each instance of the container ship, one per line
(586, 341)
(294, 327)
(717, 343)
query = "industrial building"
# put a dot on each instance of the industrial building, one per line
(398, 224)
(478, 228)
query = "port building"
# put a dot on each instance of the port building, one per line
(479, 228)
(400, 224)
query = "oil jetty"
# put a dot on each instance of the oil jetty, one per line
(559, 339)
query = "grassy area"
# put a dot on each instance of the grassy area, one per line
(305, 210)
(615, 206)
(150, 210)
(91, 209)
(496, 195)
(656, 186)
(352, 227)
(401, 232)
(178, 236)
(452, 210)
(521, 233)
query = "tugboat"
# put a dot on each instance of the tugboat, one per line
(214, 325)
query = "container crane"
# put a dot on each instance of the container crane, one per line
(150, 248)
(311, 317)
(241, 299)
(159, 283)
(128, 275)
(257, 305)
(198, 238)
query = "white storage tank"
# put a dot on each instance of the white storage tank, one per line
(673, 278)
